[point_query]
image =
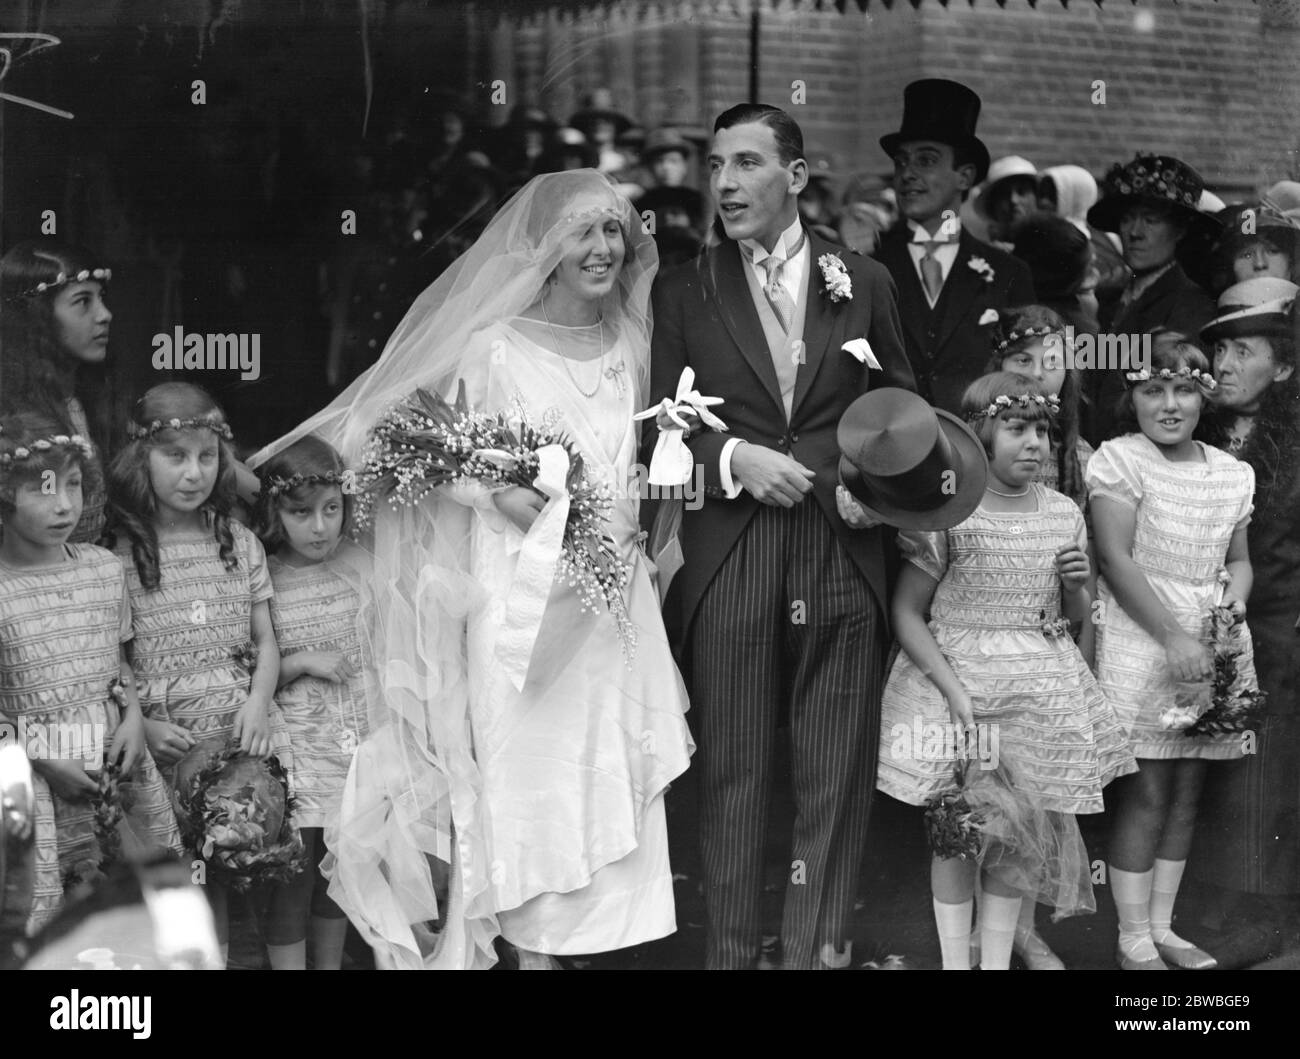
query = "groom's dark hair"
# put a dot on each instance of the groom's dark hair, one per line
(789, 137)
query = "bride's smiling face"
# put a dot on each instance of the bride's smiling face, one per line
(590, 268)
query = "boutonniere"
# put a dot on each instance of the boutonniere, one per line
(988, 316)
(835, 278)
(982, 268)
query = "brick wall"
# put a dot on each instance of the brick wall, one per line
(1211, 82)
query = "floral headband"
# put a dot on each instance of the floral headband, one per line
(1202, 377)
(1004, 402)
(40, 446)
(1030, 332)
(212, 421)
(275, 485)
(101, 274)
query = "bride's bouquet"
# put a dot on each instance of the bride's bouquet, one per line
(424, 442)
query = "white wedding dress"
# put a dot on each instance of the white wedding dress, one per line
(575, 765)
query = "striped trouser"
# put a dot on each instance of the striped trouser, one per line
(787, 619)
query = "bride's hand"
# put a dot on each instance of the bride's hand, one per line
(520, 505)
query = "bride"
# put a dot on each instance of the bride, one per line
(513, 783)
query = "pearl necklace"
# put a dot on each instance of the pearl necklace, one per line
(600, 373)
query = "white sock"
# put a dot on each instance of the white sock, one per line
(998, 917)
(1132, 893)
(288, 957)
(953, 924)
(1166, 877)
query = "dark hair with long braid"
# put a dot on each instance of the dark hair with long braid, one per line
(1065, 426)
(131, 501)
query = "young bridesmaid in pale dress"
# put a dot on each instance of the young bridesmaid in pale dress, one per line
(204, 648)
(65, 684)
(1000, 592)
(318, 576)
(1170, 516)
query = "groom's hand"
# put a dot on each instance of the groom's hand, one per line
(771, 477)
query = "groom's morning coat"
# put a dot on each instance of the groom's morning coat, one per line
(705, 318)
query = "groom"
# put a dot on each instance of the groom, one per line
(782, 601)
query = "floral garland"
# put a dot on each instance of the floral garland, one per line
(212, 421)
(1005, 402)
(1029, 332)
(424, 442)
(1204, 378)
(275, 485)
(101, 274)
(981, 268)
(44, 445)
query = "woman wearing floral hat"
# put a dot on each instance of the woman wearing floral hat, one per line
(1247, 837)
(1152, 203)
(1257, 240)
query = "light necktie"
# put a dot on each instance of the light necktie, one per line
(931, 270)
(777, 296)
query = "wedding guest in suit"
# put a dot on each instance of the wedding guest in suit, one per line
(1152, 203)
(783, 592)
(949, 283)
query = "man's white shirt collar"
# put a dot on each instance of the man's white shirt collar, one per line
(784, 244)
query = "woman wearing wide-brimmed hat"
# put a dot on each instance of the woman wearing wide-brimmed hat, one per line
(1256, 240)
(1246, 841)
(1152, 203)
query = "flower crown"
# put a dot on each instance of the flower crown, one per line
(41, 446)
(212, 421)
(1029, 332)
(1003, 402)
(275, 485)
(101, 274)
(1202, 377)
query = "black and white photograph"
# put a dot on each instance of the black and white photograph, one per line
(661, 485)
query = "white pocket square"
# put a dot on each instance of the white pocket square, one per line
(990, 316)
(861, 349)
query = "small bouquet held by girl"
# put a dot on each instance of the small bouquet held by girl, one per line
(424, 442)
(1226, 703)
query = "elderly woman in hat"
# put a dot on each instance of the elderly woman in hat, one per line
(1153, 204)
(1246, 842)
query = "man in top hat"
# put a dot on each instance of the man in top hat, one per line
(948, 281)
(1153, 203)
(782, 602)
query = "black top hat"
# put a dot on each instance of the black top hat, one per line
(910, 465)
(945, 111)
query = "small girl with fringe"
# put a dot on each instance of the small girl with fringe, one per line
(1031, 340)
(996, 659)
(304, 513)
(1170, 515)
(204, 648)
(66, 687)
